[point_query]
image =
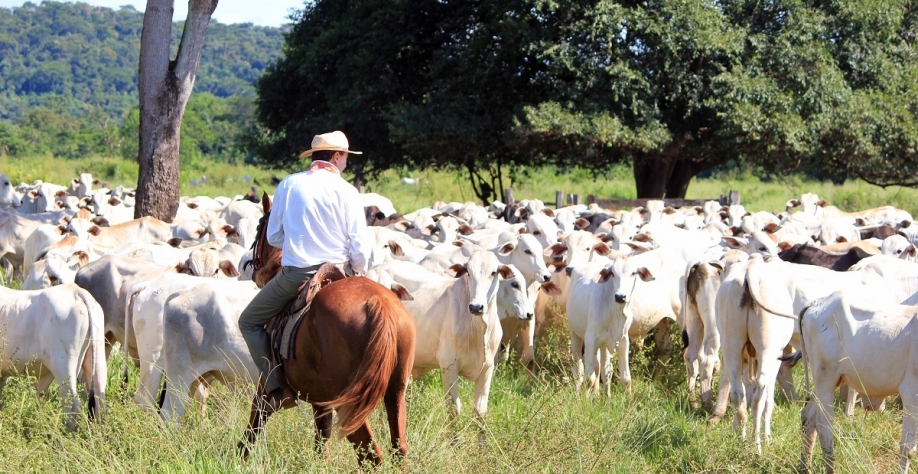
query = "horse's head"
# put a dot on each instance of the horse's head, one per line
(266, 260)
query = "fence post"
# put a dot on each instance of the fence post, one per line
(576, 199)
(591, 199)
(559, 199)
(508, 197)
(570, 199)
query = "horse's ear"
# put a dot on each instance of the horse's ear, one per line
(550, 288)
(265, 202)
(505, 272)
(396, 249)
(458, 270)
(401, 292)
(229, 269)
(175, 242)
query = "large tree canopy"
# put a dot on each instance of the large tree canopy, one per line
(674, 87)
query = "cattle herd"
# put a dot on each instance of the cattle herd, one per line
(752, 293)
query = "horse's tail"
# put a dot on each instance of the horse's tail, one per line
(371, 380)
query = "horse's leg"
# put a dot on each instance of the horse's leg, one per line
(362, 439)
(323, 419)
(257, 419)
(397, 415)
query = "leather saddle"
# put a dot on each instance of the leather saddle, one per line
(283, 327)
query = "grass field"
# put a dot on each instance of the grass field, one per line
(541, 425)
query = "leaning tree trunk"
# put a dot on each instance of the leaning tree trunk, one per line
(165, 86)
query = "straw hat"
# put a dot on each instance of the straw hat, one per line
(334, 141)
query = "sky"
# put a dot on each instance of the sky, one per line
(263, 13)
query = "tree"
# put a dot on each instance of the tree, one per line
(165, 86)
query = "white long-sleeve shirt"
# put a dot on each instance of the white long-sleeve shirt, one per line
(318, 217)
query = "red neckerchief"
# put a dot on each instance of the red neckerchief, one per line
(324, 165)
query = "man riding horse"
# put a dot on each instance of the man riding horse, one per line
(317, 218)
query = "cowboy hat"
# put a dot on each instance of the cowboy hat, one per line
(333, 141)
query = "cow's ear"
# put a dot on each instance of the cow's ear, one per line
(506, 249)
(637, 248)
(181, 267)
(430, 229)
(747, 214)
(465, 229)
(95, 230)
(548, 212)
(550, 288)
(669, 210)
(723, 214)
(114, 201)
(860, 222)
(229, 269)
(556, 250)
(60, 194)
(96, 182)
(733, 242)
(59, 204)
(642, 238)
(771, 228)
(602, 249)
(396, 249)
(645, 274)
(458, 270)
(230, 230)
(192, 205)
(681, 226)
(793, 203)
(784, 245)
(175, 242)
(840, 239)
(904, 224)
(911, 250)
(605, 275)
(458, 243)
(402, 225)
(822, 203)
(76, 180)
(556, 267)
(33, 194)
(101, 221)
(82, 257)
(581, 223)
(699, 210)
(522, 230)
(724, 208)
(568, 270)
(717, 265)
(401, 292)
(505, 272)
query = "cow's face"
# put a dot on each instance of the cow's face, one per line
(624, 275)
(543, 228)
(526, 253)
(8, 195)
(483, 272)
(513, 299)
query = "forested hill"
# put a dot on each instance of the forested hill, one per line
(77, 59)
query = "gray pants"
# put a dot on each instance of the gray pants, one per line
(268, 303)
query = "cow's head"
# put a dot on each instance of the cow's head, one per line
(483, 272)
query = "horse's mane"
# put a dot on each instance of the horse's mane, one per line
(266, 259)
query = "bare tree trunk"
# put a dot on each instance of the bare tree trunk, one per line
(651, 172)
(165, 87)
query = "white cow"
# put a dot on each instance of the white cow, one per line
(54, 270)
(458, 328)
(53, 333)
(204, 341)
(869, 346)
(9, 197)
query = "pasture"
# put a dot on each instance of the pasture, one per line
(541, 425)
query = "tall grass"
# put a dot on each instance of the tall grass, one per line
(540, 425)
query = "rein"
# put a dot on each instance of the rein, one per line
(261, 239)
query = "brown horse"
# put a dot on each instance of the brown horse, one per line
(354, 347)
